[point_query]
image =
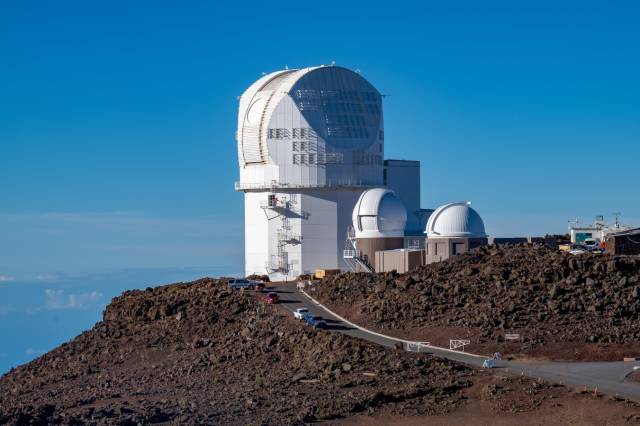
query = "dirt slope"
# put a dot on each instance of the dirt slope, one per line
(201, 353)
(563, 306)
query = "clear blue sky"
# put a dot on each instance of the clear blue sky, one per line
(117, 121)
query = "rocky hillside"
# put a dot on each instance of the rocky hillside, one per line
(199, 353)
(547, 296)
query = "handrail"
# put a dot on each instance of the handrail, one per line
(243, 186)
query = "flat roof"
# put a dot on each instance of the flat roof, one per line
(402, 163)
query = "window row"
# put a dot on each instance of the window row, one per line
(295, 133)
(304, 146)
(310, 159)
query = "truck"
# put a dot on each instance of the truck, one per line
(242, 283)
(314, 321)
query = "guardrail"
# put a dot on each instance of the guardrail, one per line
(405, 343)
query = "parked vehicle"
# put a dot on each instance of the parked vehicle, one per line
(300, 313)
(260, 286)
(272, 298)
(488, 363)
(578, 249)
(314, 321)
(301, 285)
(593, 245)
(242, 283)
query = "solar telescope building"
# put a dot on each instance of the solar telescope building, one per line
(310, 142)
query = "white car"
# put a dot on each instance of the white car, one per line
(578, 249)
(300, 312)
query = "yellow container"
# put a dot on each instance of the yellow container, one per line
(321, 273)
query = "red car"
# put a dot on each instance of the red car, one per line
(272, 298)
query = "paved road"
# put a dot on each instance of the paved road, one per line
(606, 377)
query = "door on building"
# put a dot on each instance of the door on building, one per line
(458, 248)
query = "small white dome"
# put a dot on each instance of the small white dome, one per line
(455, 220)
(379, 213)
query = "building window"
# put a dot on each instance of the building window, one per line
(278, 133)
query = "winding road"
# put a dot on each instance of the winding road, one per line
(605, 377)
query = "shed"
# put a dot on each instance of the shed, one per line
(400, 260)
(625, 242)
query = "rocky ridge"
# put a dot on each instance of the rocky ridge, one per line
(545, 295)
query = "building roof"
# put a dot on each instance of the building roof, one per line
(622, 233)
(379, 213)
(455, 220)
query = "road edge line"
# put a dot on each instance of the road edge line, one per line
(384, 335)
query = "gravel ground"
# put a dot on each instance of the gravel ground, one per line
(564, 307)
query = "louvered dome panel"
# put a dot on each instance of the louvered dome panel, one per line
(251, 144)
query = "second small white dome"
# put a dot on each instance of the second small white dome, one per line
(455, 220)
(379, 213)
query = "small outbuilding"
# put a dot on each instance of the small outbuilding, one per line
(624, 242)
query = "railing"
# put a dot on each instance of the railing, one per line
(417, 346)
(246, 186)
(455, 344)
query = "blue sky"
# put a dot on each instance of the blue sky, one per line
(117, 121)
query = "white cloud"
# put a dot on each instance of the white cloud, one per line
(31, 351)
(5, 278)
(57, 299)
(47, 277)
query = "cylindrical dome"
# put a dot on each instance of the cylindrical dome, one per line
(379, 213)
(455, 220)
(308, 128)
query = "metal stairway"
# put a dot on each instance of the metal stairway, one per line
(352, 256)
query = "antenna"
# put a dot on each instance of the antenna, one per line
(617, 216)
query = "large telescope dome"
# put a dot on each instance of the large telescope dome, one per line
(379, 213)
(311, 127)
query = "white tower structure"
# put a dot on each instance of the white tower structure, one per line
(309, 142)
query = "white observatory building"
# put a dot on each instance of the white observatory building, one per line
(453, 229)
(310, 142)
(379, 222)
